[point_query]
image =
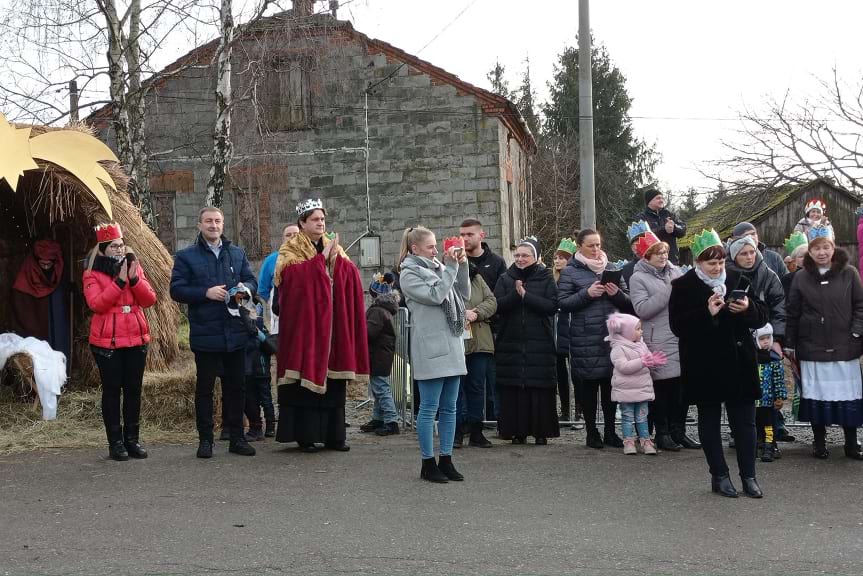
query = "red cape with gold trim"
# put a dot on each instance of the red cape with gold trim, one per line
(322, 331)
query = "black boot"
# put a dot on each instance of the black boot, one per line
(594, 440)
(239, 445)
(431, 472)
(852, 447)
(611, 438)
(477, 439)
(458, 439)
(270, 429)
(130, 441)
(445, 465)
(819, 445)
(371, 425)
(678, 434)
(722, 485)
(751, 488)
(116, 449)
(664, 441)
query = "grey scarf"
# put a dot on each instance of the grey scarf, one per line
(453, 305)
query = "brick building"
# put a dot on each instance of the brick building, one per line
(439, 149)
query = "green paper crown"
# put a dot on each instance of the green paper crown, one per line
(568, 246)
(794, 241)
(705, 240)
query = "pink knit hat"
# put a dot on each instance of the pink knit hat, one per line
(623, 324)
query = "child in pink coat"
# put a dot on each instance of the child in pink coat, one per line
(631, 384)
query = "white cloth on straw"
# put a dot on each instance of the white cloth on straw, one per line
(49, 368)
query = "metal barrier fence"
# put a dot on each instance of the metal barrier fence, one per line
(400, 377)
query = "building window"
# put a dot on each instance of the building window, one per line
(164, 204)
(289, 93)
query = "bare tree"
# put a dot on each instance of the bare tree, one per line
(792, 142)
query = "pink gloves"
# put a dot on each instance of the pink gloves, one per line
(654, 359)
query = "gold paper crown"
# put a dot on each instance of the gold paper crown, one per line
(794, 241)
(705, 240)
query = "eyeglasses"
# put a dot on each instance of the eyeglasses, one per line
(116, 246)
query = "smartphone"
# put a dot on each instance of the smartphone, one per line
(130, 258)
(736, 295)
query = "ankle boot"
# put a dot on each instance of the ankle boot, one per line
(852, 447)
(751, 488)
(130, 441)
(445, 465)
(477, 439)
(664, 441)
(722, 485)
(116, 450)
(431, 472)
(819, 444)
(458, 439)
(270, 429)
(594, 440)
(239, 445)
(679, 435)
(611, 438)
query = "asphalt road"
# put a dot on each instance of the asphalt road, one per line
(560, 509)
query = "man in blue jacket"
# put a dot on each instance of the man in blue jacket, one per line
(265, 278)
(204, 275)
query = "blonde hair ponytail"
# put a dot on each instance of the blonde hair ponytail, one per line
(410, 237)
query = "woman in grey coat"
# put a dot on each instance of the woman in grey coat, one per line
(435, 294)
(650, 290)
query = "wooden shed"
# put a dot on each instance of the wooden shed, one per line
(774, 213)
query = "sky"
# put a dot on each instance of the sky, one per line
(691, 66)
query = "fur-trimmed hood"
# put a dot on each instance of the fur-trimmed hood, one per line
(837, 263)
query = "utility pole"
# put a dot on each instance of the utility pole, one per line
(585, 117)
(73, 101)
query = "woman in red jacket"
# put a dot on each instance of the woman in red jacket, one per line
(117, 291)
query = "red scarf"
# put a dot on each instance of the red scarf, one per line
(31, 278)
(322, 324)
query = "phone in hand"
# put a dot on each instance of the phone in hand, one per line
(130, 258)
(736, 295)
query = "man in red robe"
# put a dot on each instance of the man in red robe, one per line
(322, 333)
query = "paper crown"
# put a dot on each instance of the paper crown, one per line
(619, 264)
(820, 232)
(568, 246)
(794, 241)
(645, 242)
(108, 232)
(636, 229)
(707, 239)
(453, 241)
(815, 204)
(309, 205)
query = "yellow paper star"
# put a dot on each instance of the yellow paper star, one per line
(15, 155)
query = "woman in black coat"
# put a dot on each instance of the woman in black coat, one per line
(525, 350)
(718, 360)
(589, 303)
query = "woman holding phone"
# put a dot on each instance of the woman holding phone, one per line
(117, 291)
(582, 293)
(713, 312)
(435, 293)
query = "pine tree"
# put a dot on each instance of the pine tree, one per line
(499, 84)
(526, 100)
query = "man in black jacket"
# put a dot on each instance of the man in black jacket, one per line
(664, 224)
(490, 267)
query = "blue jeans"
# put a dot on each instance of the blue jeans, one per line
(437, 394)
(471, 393)
(384, 407)
(634, 412)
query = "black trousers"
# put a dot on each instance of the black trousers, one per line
(563, 384)
(764, 416)
(122, 373)
(232, 375)
(667, 410)
(741, 417)
(588, 392)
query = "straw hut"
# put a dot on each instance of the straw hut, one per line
(61, 193)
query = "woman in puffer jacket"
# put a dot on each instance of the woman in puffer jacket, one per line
(117, 291)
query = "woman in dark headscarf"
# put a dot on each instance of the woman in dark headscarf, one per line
(39, 296)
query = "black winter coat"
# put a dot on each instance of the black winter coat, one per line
(524, 347)
(656, 221)
(590, 353)
(382, 334)
(767, 287)
(490, 266)
(825, 311)
(196, 269)
(718, 359)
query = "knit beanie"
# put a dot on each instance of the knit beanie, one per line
(533, 244)
(766, 330)
(650, 194)
(742, 229)
(623, 324)
(735, 246)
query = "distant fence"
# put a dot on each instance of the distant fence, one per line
(400, 377)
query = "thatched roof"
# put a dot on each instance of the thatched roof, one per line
(52, 203)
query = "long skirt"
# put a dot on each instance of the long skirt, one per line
(528, 412)
(832, 393)
(306, 417)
